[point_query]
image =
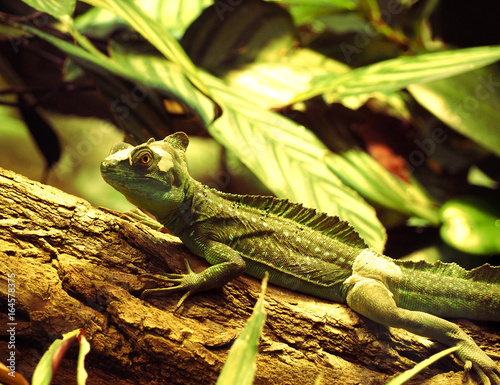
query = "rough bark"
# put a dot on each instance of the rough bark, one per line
(77, 266)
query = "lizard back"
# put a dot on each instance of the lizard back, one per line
(302, 249)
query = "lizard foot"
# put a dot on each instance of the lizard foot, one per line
(487, 377)
(188, 282)
(477, 360)
(144, 218)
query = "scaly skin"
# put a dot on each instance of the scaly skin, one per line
(302, 250)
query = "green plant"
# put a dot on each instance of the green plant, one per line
(252, 78)
(239, 367)
(274, 73)
(50, 361)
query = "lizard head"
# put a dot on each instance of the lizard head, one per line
(152, 175)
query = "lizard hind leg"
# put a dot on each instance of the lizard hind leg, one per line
(373, 300)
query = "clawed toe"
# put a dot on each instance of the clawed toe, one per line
(488, 376)
(164, 278)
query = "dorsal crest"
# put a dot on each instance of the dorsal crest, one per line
(484, 273)
(330, 226)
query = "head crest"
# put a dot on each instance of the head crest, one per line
(178, 140)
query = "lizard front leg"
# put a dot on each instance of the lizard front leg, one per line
(373, 300)
(227, 265)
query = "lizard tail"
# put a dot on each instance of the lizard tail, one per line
(442, 289)
(448, 290)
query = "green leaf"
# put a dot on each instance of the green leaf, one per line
(471, 225)
(52, 358)
(289, 160)
(346, 4)
(174, 15)
(169, 77)
(285, 156)
(222, 39)
(153, 31)
(470, 103)
(403, 377)
(59, 9)
(81, 373)
(328, 17)
(240, 363)
(361, 172)
(394, 74)
(275, 83)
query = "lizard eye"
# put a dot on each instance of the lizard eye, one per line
(145, 159)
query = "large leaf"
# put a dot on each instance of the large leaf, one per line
(288, 158)
(174, 15)
(394, 74)
(153, 31)
(276, 83)
(59, 9)
(360, 171)
(285, 156)
(253, 31)
(346, 4)
(470, 103)
(169, 77)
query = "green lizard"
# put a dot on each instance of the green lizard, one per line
(303, 250)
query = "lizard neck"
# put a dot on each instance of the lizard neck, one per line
(196, 203)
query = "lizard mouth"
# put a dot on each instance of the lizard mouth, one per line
(116, 176)
(109, 172)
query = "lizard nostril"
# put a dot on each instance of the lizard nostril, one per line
(106, 165)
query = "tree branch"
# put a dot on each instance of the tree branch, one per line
(77, 266)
